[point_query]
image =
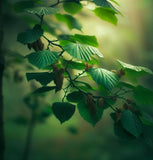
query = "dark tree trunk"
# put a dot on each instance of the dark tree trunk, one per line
(29, 136)
(2, 139)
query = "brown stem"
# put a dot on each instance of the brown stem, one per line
(29, 136)
(2, 139)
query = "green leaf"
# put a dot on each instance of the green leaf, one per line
(134, 72)
(30, 35)
(46, 112)
(146, 119)
(86, 39)
(21, 6)
(72, 7)
(104, 77)
(42, 10)
(63, 111)
(44, 89)
(69, 20)
(73, 64)
(147, 136)
(43, 58)
(126, 85)
(83, 85)
(86, 114)
(75, 96)
(105, 4)
(106, 14)
(43, 77)
(143, 96)
(81, 52)
(131, 123)
(121, 132)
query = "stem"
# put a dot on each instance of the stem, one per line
(2, 67)
(29, 136)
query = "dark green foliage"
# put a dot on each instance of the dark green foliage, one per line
(70, 21)
(44, 89)
(30, 35)
(20, 6)
(121, 132)
(131, 123)
(90, 112)
(143, 96)
(43, 77)
(75, 96)
(63, 111)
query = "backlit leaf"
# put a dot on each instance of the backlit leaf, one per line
(42, 10)
(81, 52)
(104, 77)
(133, 72)
(69, 20)
(106, 14)
(43, 58)
(72, 7)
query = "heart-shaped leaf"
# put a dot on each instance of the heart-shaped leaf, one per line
(63, 111)
(92, 113)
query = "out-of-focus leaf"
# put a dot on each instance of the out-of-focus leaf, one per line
(31, 35)
(72, 7)
(105, 4)
(143, 96)
(146, 119)
(106, 14)
(44, 89)
(20, 6)
(131, 123)
(71, 22)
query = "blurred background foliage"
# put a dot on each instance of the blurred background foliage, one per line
(131, 41)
